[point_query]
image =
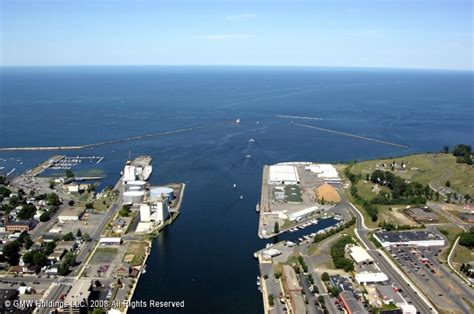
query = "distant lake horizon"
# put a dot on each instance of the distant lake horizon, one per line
(206, 257)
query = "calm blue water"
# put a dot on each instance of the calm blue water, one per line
(206, 257)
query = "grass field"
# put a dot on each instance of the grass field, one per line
(138, 251)
(104, 255)
(461, 255)
(427, 168)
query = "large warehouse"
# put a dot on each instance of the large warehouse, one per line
(327, 172)
(283, 174)
(301, 214)
(409, 238)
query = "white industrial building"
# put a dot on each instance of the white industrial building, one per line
(327, 172)
(129, 173)
(133, 197)
(359, 255)
(135, 185)
(367, 277)
(283, 174)
(145, 213)
(267, 254)
(301, 214)
(151, 215)
(110, 241)
(71, 214)
(161, 212)
(409, 238)
(160, 192)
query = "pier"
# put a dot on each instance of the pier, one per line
(351, 135)
(127, 139)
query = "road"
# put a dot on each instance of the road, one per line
(88, 246)
(390, 269)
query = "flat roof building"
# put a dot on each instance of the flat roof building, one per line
(283, 174)
(368, 277)
(78, 296)
(110, 241)
(71, 214)
(409, 238)
(296, 216)
(20, 226)
(359, 255)
(351, 304)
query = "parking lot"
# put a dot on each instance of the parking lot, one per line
(426, 270)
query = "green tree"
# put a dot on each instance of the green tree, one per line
(86, 237)
(79, 233)
(69, 174)
(325, 276)
(68, 236)
(276, 227)
(40, 259)
(53, 199)
(11, 252)
(27, 212)
(45, 217)
(271, 300)
(448, 184)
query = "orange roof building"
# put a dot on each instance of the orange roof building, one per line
(328, 193)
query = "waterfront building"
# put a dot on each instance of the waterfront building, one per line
(283, 174)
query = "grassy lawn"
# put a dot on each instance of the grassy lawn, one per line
(135, 253)
(461, 255)
(425, 168)
(394, 216)
(293, 194)
(104, 255)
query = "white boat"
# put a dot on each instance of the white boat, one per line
(255, 255)
(144, 270)
(257, 207)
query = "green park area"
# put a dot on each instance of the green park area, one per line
(383, 188)
(433, 169)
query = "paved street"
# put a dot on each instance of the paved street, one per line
(394, 274)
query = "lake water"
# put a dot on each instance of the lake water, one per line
(206, 257)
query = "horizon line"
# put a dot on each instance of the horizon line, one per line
(235, 65)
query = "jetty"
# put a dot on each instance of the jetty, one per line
(127, 139)
(351, 135)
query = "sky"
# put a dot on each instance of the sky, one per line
(431, 34)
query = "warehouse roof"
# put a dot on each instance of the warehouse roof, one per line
(283, 174)
(303, 212)
(370, 277)
(359, 255)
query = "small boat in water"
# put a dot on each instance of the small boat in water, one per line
(257, 207)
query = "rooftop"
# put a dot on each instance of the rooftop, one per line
(79, 291)
(283, 174)
(359, 254)
(407, 236)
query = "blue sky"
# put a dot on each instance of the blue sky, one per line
(353, 33)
